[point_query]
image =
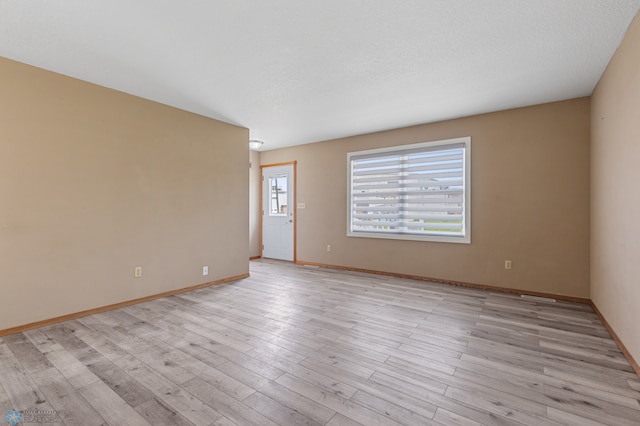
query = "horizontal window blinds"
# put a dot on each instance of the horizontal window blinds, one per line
(417, 191)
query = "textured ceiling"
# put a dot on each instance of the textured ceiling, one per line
(300, 71)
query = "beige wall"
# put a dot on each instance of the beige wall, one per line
(530, 202)
(615, 193)
(254, 204)
(94, 182)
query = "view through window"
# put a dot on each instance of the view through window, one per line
(418, 192)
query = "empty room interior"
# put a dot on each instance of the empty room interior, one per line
(320, 213)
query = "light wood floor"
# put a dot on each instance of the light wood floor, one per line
(302, 345)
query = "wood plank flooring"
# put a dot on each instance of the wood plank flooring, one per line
(298, 345)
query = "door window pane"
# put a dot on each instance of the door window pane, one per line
(278, 195)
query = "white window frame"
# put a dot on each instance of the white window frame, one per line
(465, 238)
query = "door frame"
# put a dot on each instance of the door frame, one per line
(295, 203)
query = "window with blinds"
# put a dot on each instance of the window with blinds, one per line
(415, 192)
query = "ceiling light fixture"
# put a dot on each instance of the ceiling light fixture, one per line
(255, 144)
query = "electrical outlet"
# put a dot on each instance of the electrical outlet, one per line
(137, 272)
(328, 247)
(507, 264)
(205, 270)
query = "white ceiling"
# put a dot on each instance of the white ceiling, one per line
(300, 71)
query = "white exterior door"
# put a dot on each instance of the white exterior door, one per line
(278, 187)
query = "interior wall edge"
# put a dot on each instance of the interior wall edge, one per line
(452, 282)
(634, 364)
(614, 335)
(68, 317)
